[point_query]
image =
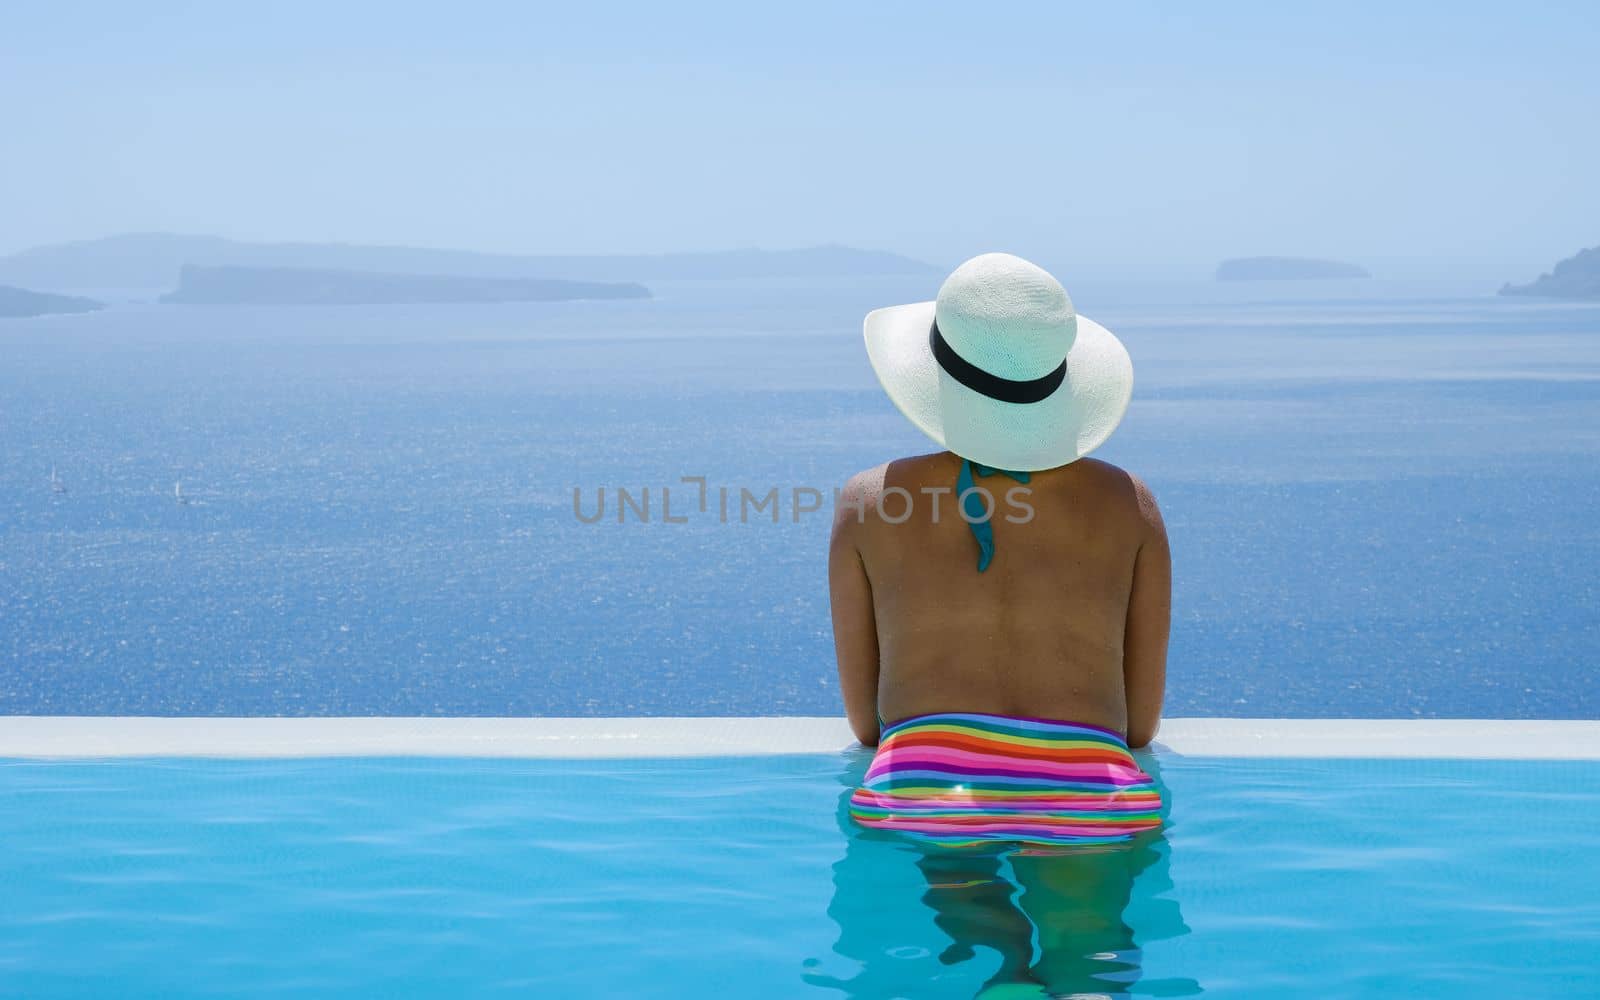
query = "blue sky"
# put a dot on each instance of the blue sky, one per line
(1104, 140)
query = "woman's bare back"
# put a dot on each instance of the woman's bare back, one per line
(1069, 621)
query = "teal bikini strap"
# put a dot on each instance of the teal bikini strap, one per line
(972, 503)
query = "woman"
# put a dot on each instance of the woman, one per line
(1001, 608)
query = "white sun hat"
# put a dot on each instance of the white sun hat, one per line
(1000, 369)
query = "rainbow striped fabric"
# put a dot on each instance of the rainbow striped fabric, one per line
(963, 779)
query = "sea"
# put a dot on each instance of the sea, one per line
(1381, 499)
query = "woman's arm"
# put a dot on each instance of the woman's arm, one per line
(855, 632)
(1144, 642)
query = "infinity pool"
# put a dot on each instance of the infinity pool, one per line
(738, 878)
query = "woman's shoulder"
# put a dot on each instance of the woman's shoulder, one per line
(868, 485)
(1112, 478)
(1132, 494)
(1111, 491)
(888, 493)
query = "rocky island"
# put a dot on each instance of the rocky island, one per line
(17, 303)
(1286, 269)
(1577, 277)
(299, 286)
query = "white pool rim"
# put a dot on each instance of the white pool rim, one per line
(140, 736)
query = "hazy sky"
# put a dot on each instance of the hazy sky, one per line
(1105, 140)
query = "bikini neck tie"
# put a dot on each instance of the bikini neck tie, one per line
(977, 513)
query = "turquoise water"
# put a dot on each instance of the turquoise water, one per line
(735, 878)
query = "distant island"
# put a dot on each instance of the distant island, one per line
(301, 286)
(1286, 269)
(1577, 277)
(154, 260)
(17, 303)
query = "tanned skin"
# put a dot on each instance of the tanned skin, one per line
(1069, 622)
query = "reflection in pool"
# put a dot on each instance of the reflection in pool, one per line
(1069, 921)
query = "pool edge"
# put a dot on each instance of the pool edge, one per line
(147, 736)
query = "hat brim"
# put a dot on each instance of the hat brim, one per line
(1023, 437)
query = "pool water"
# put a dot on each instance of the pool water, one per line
(740, 878)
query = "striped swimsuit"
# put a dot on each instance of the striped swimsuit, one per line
(964, 779)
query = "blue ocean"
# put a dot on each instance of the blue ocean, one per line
(1381, 500)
